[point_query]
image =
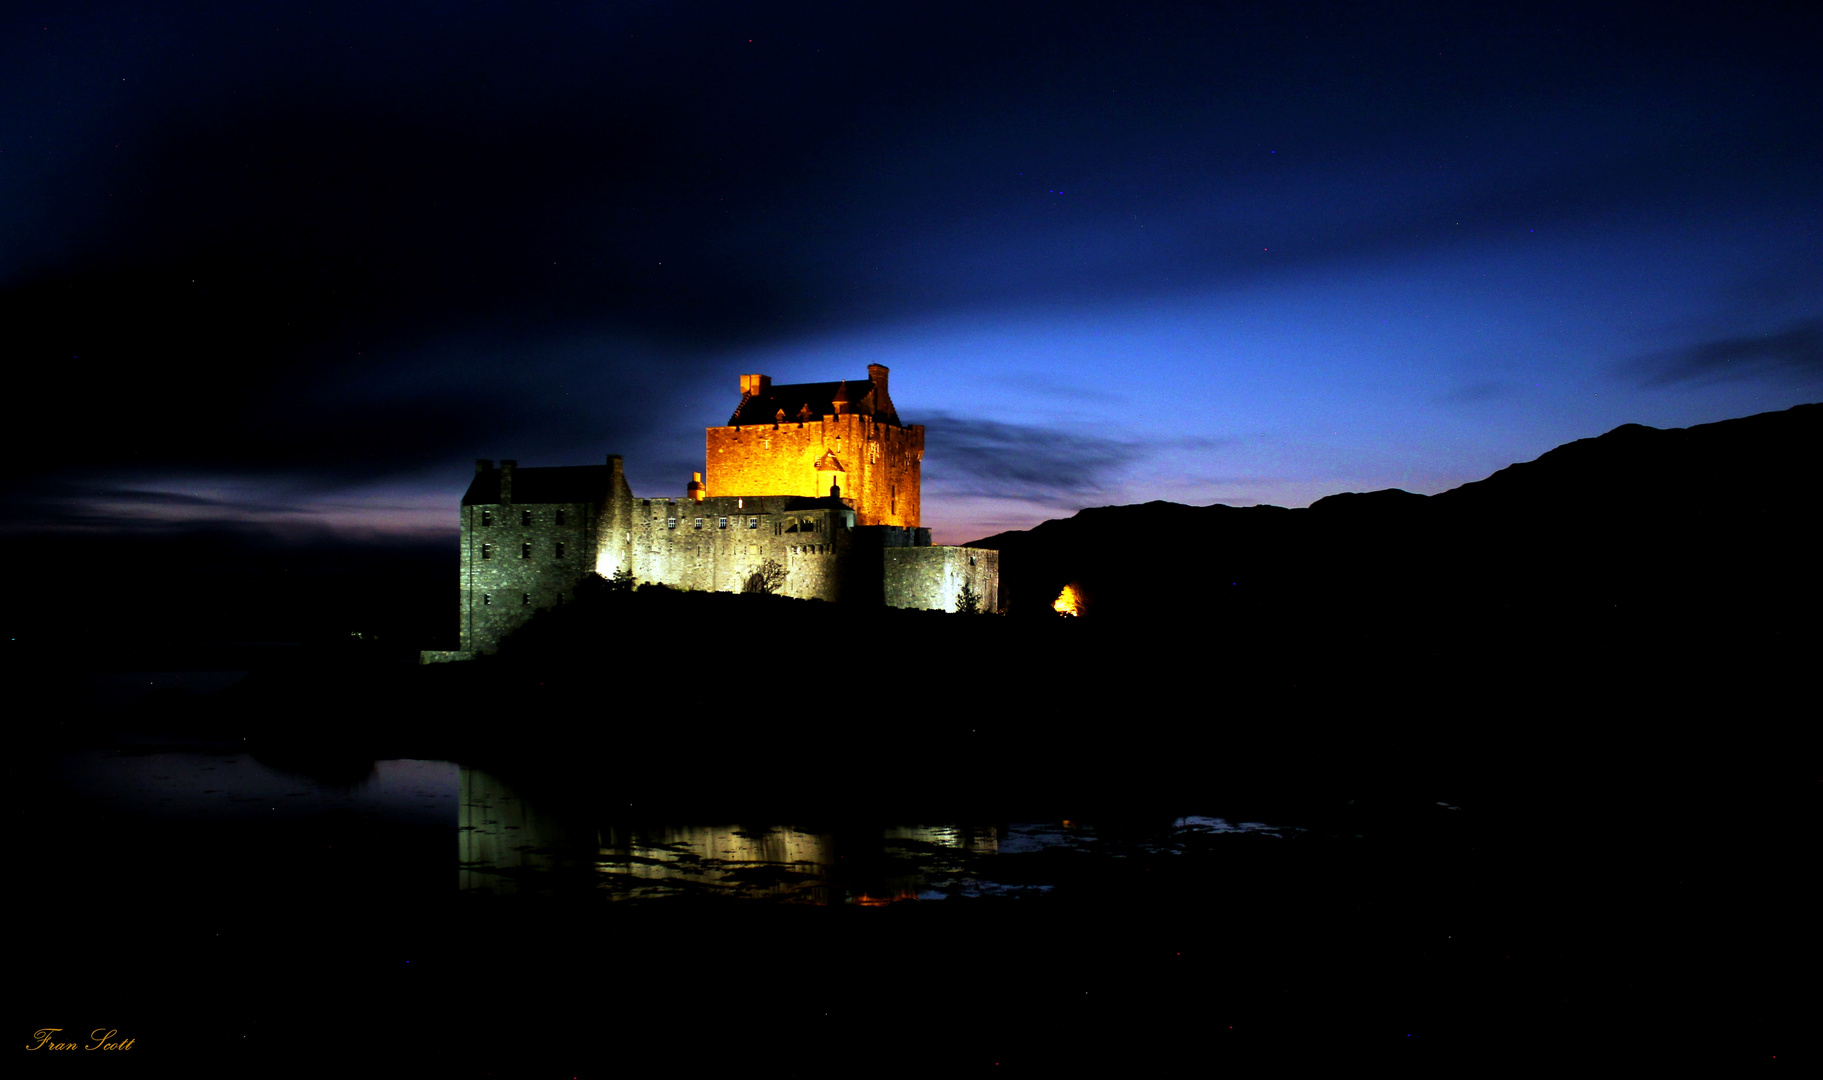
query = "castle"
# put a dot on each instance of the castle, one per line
(819, 480)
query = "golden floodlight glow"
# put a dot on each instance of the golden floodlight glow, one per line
(1069, 601)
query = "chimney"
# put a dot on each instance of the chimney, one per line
(614, 470)
(507, 465)
(754, 385)
(696, 490)
(883, 401)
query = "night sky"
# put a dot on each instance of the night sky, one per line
(290, 268)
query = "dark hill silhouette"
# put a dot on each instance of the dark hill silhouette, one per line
(1707, 521)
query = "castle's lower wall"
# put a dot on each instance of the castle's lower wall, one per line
(519, 559)
(933, 577)
(443, 656)
(717, 544)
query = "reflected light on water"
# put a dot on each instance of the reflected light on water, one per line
(509, 846)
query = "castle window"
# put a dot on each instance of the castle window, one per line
(525, 517)
(721, 523)
(486, 599)
(971, 558)
(560, 517)
(560, 550)
(525, 550)
(487, 551)
(487, 517)
(753, 523)
(525, 599)
(699, 523)
(670, 523)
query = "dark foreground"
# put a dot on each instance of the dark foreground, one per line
(1624, 880)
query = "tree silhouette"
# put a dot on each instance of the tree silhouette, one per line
(767, 580)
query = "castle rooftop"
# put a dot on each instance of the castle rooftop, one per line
(762, 402)
(553, 484)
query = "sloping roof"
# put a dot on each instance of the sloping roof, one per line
(811, 401)
(563, 484)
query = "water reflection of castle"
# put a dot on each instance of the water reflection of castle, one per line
(509, 845)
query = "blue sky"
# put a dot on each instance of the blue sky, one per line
(293, 268)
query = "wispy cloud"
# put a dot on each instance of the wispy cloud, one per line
(1798, 349)
(986, 458)
(972, 457)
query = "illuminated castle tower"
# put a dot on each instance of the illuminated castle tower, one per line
(815, 483)
(840, 439)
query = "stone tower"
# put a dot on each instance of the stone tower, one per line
(818, 439)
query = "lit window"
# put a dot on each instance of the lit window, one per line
(525, 550)
(525, 517)
(487, 551)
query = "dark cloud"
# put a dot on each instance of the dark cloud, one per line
(158, 498)
(967, 456)
(1796, 350)
(59, 505)
(347, 179)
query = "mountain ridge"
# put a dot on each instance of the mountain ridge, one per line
(1582, 523)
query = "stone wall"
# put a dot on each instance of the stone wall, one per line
(716, 544)
(517, 559)
(932, 577)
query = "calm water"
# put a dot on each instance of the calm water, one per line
(509, 845)
(500, 842)
(209, 901)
